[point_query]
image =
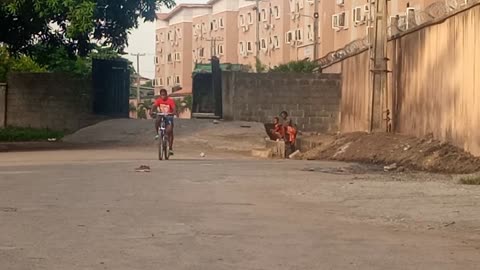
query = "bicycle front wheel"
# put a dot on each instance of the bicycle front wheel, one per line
(166, 148)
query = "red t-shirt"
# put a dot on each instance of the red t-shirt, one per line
(165, 106)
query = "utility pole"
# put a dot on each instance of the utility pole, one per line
(316, 16)
(138, 74)
(257, 34)
(213, 45)
(379, 65)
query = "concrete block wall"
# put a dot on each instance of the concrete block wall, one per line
(312, 100)
(48, 100)
(3, 105)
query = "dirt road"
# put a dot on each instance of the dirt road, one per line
(88, 209)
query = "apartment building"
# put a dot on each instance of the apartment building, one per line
(213, 35)
(193, 33)
(349, 19)
(174, 58)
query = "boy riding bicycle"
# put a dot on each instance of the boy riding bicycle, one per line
(166, 106)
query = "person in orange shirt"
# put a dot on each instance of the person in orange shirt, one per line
(277, 131)
(292, 134)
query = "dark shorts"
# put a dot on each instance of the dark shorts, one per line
(168, 120)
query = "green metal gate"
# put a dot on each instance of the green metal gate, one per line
(111, 87)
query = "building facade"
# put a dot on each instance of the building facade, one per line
(278, 32)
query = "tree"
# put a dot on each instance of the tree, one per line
(73, 24)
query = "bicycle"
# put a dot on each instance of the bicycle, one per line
(163, 145)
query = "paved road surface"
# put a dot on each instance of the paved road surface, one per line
(89, 210)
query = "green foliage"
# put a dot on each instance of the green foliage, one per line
(58, 59)
(26, 64)
(77, 22)
(16, 134)
(141, 113)
(259, 66)
(188, 101)
(20, 63)
(132, 107)
(302, 66)
(146, 104)
(143, 108)
(184, 104)
(473, 181)
(148, 84)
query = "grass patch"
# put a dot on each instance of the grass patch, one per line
(17, 134)
(474, 181)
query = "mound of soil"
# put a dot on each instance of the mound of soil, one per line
(424, 154)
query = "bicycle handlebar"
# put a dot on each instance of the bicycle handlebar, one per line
(165, 114)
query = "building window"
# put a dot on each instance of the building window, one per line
(204, 28)
(156, 60)
(241, 47)
(178, 57)
(276, 12)
(263, 44)
(158, 82)
(220, 23)
(339, 21)
(214, 25)
(288, 37)
(250, 18)
(264, 15)
(276, 42)
(242, 20)
(169, 58)
(201, 52)
(220, 49)
(169, 79)
(310, 35)
(249, 46)
(161, 37)
(298, 35)
(177, 80)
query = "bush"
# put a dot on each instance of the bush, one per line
(17, 134)
(21, 63)
(188, 100)
(473, 181)
(302, 66)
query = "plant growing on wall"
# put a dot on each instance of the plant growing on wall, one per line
(259, 66)
(302, 66)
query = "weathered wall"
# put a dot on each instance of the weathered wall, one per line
(48, 100)
(3, 96)
(434, 87)
(312, 100)
(355, 94)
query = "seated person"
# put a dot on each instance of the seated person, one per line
(277, 131)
